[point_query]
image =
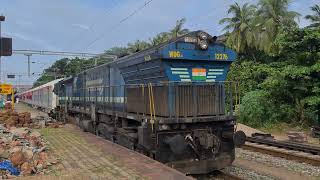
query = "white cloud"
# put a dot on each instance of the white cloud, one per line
(81, 26)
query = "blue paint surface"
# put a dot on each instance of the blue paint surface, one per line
(171, 62)
(197, 55)
(7, 166)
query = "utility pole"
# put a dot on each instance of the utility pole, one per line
(29, 69)
(19, 80)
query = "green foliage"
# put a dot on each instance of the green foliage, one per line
(160, 38)
(290, 82)
(256, 109)
(315, 18)
(118, 51)
(63, 68)
(279, 64)
(137, 46)
(254, 28)
(178, 29)
(241, 26)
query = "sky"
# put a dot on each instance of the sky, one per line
(72, 25)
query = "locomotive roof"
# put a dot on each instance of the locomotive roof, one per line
(219, 40)
(159, 46)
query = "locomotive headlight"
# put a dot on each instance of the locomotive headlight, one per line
(203, 44)
(203, 36)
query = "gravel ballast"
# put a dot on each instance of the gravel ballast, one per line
(293, 166)
(246, 173)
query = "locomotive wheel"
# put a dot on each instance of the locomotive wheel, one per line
(87, 126)
(77, 121)
(105, 130)
(113, 139)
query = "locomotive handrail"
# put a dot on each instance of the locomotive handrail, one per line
(181, 103)
(166, 83)
(151, 106)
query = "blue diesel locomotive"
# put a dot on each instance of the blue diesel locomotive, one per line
(169, 102)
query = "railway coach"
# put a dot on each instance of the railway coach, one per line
(170, 102)
(41, 97)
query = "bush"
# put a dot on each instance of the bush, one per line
(256, 109)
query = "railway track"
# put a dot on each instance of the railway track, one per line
(287, 145)
(288, 150)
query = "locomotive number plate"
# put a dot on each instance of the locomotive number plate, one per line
(219, 56)
(175, 54)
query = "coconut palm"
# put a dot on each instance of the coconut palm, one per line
(118, 51)
(160, 38)
(315, 18)
(272, 15)
(240, 26)
(137, 46)
(178, 29)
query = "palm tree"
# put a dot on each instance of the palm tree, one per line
(272, 15)
(118, 51)
(315, 19)
(137, 46)
(178, 30)
(160, 38)
(241, 26)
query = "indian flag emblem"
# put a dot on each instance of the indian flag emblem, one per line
(199, 74)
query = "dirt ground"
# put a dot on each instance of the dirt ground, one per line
(246, 129)
(21, 107)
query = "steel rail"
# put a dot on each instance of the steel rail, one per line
(284, 153)
(286, 145)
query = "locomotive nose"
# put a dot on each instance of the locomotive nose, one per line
(239, 138)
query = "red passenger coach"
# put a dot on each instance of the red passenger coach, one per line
(41, 97)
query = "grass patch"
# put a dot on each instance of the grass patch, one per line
(282, 128)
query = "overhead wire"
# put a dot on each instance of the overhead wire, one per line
(205, 15)
(92, 25)
(119, 23)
